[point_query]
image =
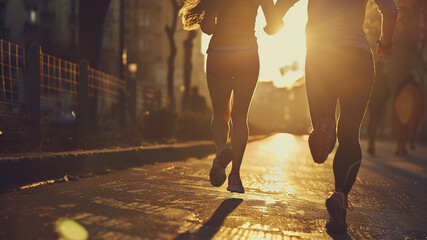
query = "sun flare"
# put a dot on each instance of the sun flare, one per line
(282, 56)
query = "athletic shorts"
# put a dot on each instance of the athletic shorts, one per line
(233, 63)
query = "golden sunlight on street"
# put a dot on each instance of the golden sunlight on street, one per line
(279, 147)
(284, 49)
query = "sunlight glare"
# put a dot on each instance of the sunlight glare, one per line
(280, 146)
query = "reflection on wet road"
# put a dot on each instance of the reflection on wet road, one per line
(284, 199)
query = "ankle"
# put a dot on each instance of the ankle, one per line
(342, 196)
(223, 147)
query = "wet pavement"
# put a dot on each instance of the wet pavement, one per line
(284, 199)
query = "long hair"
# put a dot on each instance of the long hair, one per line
(193, 12)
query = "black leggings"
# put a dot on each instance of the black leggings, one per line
(345, 74)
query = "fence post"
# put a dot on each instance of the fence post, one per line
(83, 118)
(132, 101)
(158, 99)
(121, 109)
(33, 92)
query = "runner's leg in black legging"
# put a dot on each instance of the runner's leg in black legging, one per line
(358, 74)
(321, 100)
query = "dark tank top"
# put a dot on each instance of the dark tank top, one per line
(235, 23)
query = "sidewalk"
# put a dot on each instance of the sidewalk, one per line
(415, 164)
(27, 168)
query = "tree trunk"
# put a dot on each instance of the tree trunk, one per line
(170, 31)
(92, 15)
(188, 67)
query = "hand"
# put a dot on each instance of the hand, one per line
(272, 17)
(384, 53)
(271, 29)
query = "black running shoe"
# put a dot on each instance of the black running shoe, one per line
(235, 183)
(322, 139)
(217, 174)
(336, 205)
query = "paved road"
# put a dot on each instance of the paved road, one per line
(284, 199)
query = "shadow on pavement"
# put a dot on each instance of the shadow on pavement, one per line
(211, 227)
(339, 236)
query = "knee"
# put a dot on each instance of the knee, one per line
(239, 119)
(222, 119)
(348, 137)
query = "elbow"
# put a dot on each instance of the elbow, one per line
(207, 29)
(391, 13)
(390, 16)
(207, 32)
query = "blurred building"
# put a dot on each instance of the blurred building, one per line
(52, 23)
(280, 109)
(147, 46)
(4, 30)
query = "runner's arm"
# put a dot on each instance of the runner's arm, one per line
(389, 13)
(272, 16)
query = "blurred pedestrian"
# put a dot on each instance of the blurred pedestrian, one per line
(408, 109)
(197, 102)
(339, 66)
(232, 69)
(379, 96)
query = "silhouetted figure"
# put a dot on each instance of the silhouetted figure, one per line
(408, 109)
(232, 67)
(339, 66)
(379, 96)
(197, 102)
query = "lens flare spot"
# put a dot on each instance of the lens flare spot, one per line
(70, 230)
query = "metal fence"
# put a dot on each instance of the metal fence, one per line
(35, 85)
(104, 88)
(146, 99)
(58, 83)
(12, 72)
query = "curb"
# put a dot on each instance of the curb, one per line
(17, 171)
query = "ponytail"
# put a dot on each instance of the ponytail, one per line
(193, 12)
